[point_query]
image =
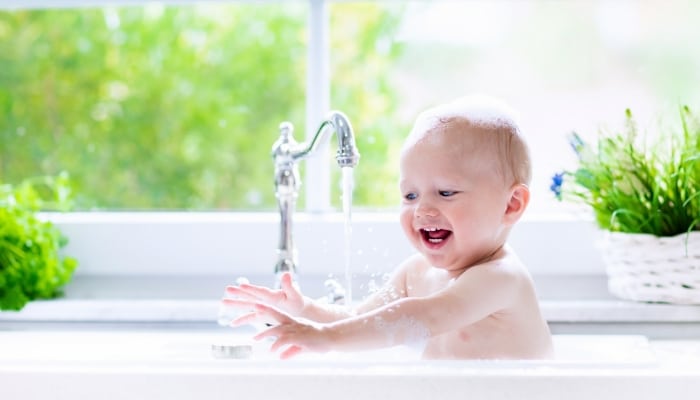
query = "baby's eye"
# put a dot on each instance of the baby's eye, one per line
(410, 196)
(447, 193)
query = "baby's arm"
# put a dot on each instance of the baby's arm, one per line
(479, 292)
(394, 289)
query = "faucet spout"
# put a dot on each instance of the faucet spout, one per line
(347, 154)
(286, 153)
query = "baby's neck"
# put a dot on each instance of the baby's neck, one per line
(501, 251)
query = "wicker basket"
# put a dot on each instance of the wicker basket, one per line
(653, 269)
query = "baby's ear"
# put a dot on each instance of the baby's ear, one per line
(517, 203)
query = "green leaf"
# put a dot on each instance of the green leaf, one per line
(636, 186)
(31, 266)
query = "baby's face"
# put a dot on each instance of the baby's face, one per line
(453, 200)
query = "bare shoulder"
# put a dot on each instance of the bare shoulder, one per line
(414, 264)
(413, 276)
(396, 286)
(415, 269)
(509, 266)
(504, 273)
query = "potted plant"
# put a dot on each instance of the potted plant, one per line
(31, 263)
(645, 194)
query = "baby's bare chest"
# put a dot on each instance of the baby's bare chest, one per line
(479, 340)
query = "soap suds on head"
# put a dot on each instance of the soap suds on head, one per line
(488, 122)
(479, 110)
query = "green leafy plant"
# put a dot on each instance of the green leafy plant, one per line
(31, 266)
(635, 186)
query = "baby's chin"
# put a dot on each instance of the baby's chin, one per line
(451, 263)
(440, 261)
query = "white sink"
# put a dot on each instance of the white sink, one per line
(180, 364)
(154, 347)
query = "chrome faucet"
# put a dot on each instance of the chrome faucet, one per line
(286, 153)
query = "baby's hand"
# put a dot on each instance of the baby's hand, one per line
(291, 335)
(288, 298)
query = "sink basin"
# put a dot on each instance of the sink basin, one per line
(180, 364)
(186, 348)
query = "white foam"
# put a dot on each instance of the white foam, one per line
(403, 331)
(480, 110)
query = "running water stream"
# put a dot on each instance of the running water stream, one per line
(346, 196)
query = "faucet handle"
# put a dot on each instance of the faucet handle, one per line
(283, 145)
(335, 293)
(285, 264)
(286, 130)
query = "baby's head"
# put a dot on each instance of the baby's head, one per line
(477, 128)
(464, 172)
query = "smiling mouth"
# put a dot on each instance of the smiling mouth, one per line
(435, 236)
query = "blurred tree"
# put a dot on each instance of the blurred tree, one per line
(162, 107)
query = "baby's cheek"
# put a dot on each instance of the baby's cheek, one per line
(406, 218)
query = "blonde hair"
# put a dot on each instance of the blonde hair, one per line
(487, 114)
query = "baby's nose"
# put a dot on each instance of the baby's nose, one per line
(426, 209)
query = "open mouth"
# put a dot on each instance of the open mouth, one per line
(435, 236)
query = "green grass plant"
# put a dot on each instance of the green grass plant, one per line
(638, 184)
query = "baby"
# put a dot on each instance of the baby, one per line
(464, 173)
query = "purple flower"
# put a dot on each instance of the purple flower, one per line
(557, 181)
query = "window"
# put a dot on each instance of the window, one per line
(152, 107)
(176, 106)
(572, 65)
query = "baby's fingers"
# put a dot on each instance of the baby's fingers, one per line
(254, 317)
(276, 332)
(270, 332)
(238, 303)
(247, 318)
(287, 283)
(245, 291)
(273, 313)
(255, 292)
(291, 351)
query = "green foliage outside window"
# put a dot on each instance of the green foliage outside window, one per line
(177, 107)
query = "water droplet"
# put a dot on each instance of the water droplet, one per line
(241, 280)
